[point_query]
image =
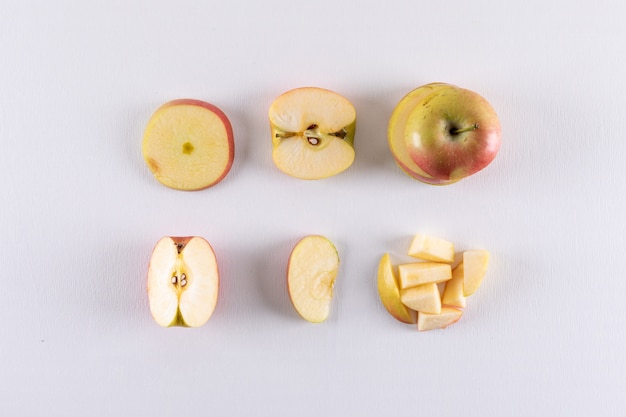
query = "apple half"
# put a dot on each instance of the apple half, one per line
(188, 145)
(312, 133)
(389, 292)
(311, 274)
(183, 281)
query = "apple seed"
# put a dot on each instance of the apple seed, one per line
(313, 141)
(174, 279)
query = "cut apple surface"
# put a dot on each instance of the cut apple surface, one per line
(183, 281)
(423, 298)
(311, 273)
(188, 145)
(312, 133)
(447, 316)
(418, 273)
(453, 292)
(432, 248)
(389, 292)
(475, 263)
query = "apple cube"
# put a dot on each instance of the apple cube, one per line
(424, 298)
(453, 291)
(447, 316)
(432, 248)
(475, 264)
(418, 273)
(389, 292)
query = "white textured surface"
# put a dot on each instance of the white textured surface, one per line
(546, 334)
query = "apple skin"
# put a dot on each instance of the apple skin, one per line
(452, 133)
(221, 115)
(396, 133)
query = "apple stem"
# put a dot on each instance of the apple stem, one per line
(467, 129)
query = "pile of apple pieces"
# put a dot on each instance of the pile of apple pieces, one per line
(413, 294)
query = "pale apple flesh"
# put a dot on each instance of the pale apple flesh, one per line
(452, 133)
(423, 298)
(188, 145)
(312, 133)
(311, 274)
(475, 264)
(447, 316)
(431, 248)
(183, 281)
(453, 295)
(418, 273)
(396, 133)
(389, 292)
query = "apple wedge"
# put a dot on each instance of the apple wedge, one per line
(389, 292)
(188, 145)
(418, 273)
(312, 133)
(475, 264)
(311, 273)
(447, 316)
(183, 281)
(431, 248)
(453, 292)
(423, 298)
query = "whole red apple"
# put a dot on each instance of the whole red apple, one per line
(452, 133)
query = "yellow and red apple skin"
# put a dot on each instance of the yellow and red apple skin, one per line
(396, 134)
(432, 141)
(154, 167)
(389, 292)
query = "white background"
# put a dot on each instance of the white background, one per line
(545, 334)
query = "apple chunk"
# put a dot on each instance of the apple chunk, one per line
(183, 281)
(389, 292)
(432, 248)
(475, 264)
(312, 133)
(188, 145)
(418, 273)
(447, 316)
(311, 273)
(453, 291)
(423, 298)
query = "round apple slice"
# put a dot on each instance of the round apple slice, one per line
(312, 133)
(188, 145)
(183, 281)
(396, 133)
(311, 274)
